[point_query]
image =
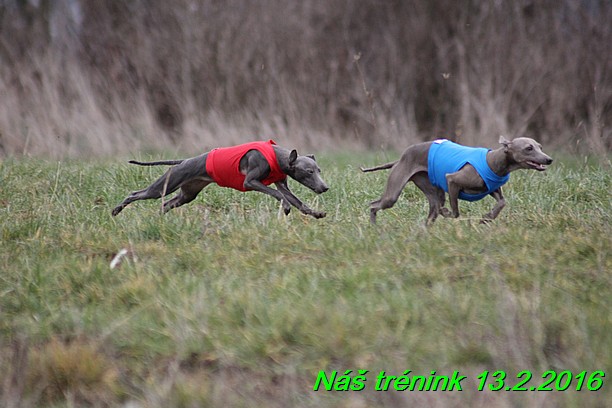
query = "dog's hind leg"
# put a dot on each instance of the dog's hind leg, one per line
(189, 170)
(189, 191)
(400, 175)
(134, 196)
(166, 184)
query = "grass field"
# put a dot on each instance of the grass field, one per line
(225, 303)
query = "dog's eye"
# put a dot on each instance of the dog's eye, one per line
(529, 148)
(310, 171)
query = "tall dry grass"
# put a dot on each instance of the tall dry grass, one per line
(79, 77)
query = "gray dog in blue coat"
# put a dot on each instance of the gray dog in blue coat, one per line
(467, 173)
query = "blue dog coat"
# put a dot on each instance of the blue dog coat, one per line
(446, 157)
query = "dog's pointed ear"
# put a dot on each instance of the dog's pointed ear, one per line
(505, 142)
(311, 156)
(293, 157)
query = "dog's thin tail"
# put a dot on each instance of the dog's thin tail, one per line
(157, 163)
(381, 167)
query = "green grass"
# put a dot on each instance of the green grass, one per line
(224, 303)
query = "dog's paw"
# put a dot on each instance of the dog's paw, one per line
(445, 212)
(318, 214)
(286, 207)
(487, 218)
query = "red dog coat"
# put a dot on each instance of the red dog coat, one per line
(223, 164)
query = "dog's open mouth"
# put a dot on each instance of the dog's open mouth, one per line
(536, 166)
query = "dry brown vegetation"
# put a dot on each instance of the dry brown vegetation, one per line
(84, 77)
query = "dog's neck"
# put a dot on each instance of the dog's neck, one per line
(501, 161)
(282, 157)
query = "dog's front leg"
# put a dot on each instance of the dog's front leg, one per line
(499, 205)
(257, 185)
(293, 200)
(453, 193)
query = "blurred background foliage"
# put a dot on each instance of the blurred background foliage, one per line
(82, 77)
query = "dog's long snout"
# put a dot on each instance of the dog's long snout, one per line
(320, 186)
(549, 160)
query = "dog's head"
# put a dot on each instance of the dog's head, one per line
(306, 171)
(526, 153)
